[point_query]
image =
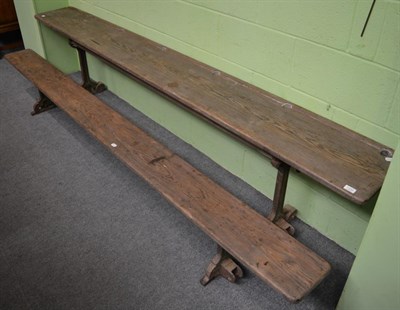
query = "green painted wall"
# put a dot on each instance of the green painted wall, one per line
(29, 28)
(374, 281)
(58, 51)
(309, 52)
(42, 40)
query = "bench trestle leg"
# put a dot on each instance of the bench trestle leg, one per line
(43, 104)
(280, 214)
(87, 83)
(223, 265)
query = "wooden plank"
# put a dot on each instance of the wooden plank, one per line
(327, 152)
(276, 257)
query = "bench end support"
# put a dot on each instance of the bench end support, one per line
(89, 84)
(93, 86)
(223, 265)
(283, 221)
(281, 215)
(42, 105)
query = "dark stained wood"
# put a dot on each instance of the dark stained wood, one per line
(42, 105)
(272, 254)
(222, 265)
(8, 16)
(319, 148)
(87, 83)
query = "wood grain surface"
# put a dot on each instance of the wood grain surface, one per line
(272, 254)
(327, 152)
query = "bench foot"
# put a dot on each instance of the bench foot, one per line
(288, 214)
(42, 105)
(223, 265)
(93, 86)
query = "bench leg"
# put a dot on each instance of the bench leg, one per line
(280, 214)
(43, 104)
(87, 83)
(223, 265)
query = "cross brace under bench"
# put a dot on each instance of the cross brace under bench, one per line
(240, 232)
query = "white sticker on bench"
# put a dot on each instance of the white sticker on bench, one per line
(286, 105)
(388, 159)
(349, 189)
(114, 144)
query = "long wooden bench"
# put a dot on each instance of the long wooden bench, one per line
(268, 251)
(353, 166)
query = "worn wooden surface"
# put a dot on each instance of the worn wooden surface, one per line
(276, 257)
(319, 148)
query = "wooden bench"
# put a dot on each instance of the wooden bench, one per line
(353, 166)
(291, 137)
(268, 251)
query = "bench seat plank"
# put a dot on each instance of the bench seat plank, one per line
(276, 257)
(325, 151)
